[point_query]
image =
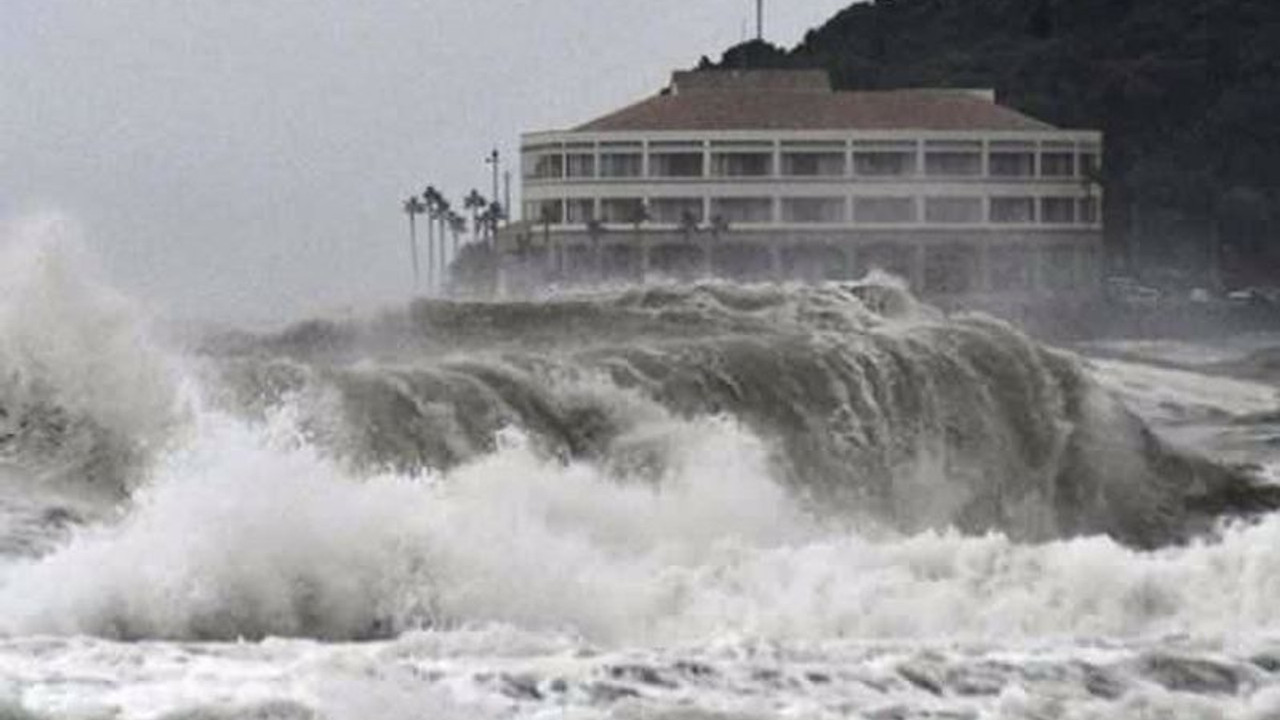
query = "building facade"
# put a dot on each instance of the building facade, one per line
(773, 175)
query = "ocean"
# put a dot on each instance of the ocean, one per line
(701, 501)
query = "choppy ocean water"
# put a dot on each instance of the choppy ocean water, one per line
(709, 502)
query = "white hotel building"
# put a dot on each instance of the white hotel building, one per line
(774, 175)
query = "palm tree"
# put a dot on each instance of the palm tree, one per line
(494, 214)
(431, 196)
(596, 230)
(457, 226)
(688, 228)
(443, 211)
(483, 220)
(413, 207)
(476, 203)
(688, 225)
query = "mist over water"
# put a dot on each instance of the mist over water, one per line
(626, 502)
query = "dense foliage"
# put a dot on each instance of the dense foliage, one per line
(1187, 91)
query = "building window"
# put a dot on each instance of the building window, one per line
(675, 164)
(536, 162)
(815, 210)
(1089, 211)
(547, 167)
(1013, 210)
(887, 210)
(579, 211)
(953, 210)
(742, 164)
(580, 165)
(621, 211)
(673, 211)
(1058, 210)
(620, 165)
(1013, 164)
(952, 163)
(1057, 164)
(884, 163)
(743, 210)
(813, 164)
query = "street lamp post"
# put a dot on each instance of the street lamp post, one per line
(494, 159)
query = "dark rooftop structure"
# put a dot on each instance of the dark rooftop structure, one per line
(805, 100)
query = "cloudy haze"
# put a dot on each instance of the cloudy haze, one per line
(245, 159)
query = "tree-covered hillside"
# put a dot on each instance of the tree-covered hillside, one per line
(1187, 91)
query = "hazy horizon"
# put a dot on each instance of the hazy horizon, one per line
(243, 161)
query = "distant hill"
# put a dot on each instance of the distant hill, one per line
(1187, 91)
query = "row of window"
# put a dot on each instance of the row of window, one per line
(879, 163)
(819, 210)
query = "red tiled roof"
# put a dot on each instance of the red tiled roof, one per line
(763, 103)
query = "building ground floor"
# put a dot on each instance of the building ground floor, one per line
(937, 264)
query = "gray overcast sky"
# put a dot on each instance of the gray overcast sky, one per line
(246, 158)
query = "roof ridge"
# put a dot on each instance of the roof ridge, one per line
(772, 108)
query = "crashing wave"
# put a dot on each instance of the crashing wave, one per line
(900, 415)
(84, 395)
(637, 465)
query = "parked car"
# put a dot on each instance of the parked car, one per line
(1255, 296)
(1129, 292)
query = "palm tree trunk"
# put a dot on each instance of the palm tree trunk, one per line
(413, 247)
(431, 257)
(444, 247)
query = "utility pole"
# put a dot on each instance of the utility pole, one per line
(760, 20)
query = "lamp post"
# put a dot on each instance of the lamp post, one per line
(494, 159)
